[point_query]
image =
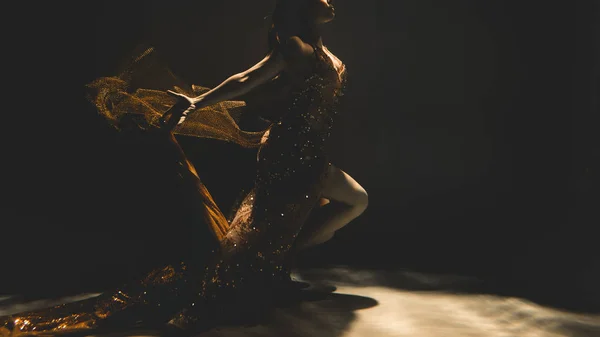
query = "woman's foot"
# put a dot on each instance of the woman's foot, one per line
(292, 284)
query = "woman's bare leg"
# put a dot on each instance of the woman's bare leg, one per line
(344, 201)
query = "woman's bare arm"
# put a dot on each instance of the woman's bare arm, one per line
(291, 53)
(242, 83)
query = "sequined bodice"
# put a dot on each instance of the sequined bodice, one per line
(312, 105)
(324, 84)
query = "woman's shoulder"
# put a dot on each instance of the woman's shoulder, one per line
(294, 48)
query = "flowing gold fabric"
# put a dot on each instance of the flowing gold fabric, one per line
(137, 97)
(211, 213)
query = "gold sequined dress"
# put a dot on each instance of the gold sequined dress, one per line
(247, 260)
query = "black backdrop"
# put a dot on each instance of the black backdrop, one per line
(471, 124)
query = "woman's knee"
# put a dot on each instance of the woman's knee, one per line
(361, 201)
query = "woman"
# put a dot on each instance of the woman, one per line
(251, 256)
(295, 44)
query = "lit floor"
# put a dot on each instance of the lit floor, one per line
(370, 303)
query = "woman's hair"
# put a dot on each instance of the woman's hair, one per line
(281, 17)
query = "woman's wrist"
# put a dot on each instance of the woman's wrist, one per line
(197, 101)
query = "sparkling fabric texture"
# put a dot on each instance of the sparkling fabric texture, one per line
(248, 258)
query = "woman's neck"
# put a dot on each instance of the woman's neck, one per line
(319, 42)
(311, 34)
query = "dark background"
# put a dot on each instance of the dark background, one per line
(471, 124)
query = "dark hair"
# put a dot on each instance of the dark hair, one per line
(273, 40)
(278, 17)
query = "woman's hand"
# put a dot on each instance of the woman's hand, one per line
(179, 111)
